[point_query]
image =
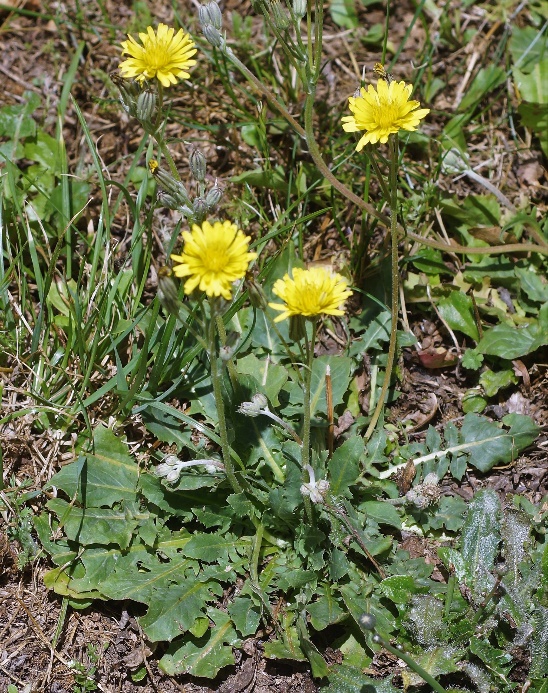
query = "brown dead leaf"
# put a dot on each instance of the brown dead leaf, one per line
(530, 173)
(437, 357)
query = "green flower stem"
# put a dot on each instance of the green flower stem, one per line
(219, 403)
(412, 665)
(305, 456)
(159, 138)
(230, 364)
(394, 309)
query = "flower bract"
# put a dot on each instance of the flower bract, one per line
(310, 292)
(383, 111)
(214, 256)
(164, 54)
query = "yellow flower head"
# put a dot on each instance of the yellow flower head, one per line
(383, 112)
(213, 257)
(310, 292)
(165, 55)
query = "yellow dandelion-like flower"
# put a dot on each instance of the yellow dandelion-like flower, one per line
(383, 112)
(310, 292)
(214, 256)
(165, 55)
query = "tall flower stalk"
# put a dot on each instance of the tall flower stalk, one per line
(308, 294)
(214, 257)
(381, 113)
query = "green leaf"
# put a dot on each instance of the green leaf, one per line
(325, 610)
(488, 443)
(382, 512)
(343, 13)
(269, 377)
(399, 588)
(318, 665)
(492, 381)
(345, 679)
(532, 285)
(344, 466)
(472, 359)
(96, 525)
(496, 661)
(487, 79)
(458, 312)
(539, 644)
(204, 656)
(174, 611)
(474, 563)
(527, 47)
(274, 179)
(103, 477)
(533, 86)
(245, 615)
(437, 661)
(340, 377)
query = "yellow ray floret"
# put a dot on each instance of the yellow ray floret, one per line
(383, 112)
(310, 292)
(165, 55)
(214, 256)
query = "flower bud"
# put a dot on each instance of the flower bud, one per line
(299, 8)
(197, 163)
(215, 14)
(199, 209)
(145, 109)
(203, 15)
(174, 187)
(279, 16)
(255, 292)
(167, 200)
(259, 400)
(213, 196)
(128, 91)
(212, 35)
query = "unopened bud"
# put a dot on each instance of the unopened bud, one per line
(128, 91)
(167, 200)
(213, 196)
(212, 35)
(199, 209)
(279, 16)
(215, 14)
(299, 8)
(203, 15)
(174, 187)
(197, 163)
(255, 292)
(260, 400)
(146, 106)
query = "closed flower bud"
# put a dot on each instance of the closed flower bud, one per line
(203, 15)
(212, 35)
(213, 196)
(197, 163)
(146, 106)
(255, 292)
(167, 200)
(299, 8)
(279, 16)
(174, 187)
(259, 400)
(215, 14)
(199, 210)
(128, 92)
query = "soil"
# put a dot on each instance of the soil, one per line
(106, 637)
